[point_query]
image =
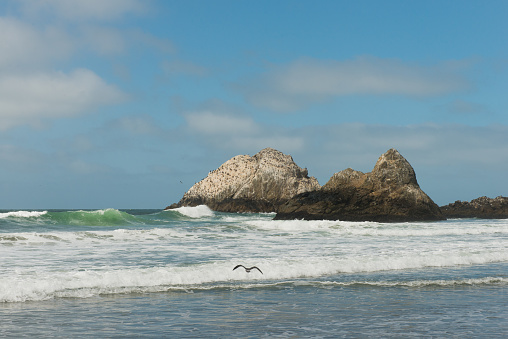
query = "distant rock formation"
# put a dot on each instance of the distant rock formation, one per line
(260, 183)
(390, 193)
(483, 207)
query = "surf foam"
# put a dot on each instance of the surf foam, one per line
(200, 211)
(44, 285)
(22, 214)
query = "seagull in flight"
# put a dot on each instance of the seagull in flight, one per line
(248, 269)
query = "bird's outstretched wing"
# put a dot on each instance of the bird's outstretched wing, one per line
(254, 267)
(238, 266)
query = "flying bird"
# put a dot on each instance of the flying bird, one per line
(248, 269)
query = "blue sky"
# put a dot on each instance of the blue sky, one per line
(126, 103)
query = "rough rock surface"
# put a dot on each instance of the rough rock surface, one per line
(482, 207)
(389, 193)
(260, 183)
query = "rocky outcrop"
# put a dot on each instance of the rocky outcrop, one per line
(260, 183)
(389, 193)
(483, 207)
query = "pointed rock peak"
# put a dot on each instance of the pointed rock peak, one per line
(271, 153)
(392, 154)
(392, 167)
(256, 184)
(388, 193)
(270, 158)
(269, 150)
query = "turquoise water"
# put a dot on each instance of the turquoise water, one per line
(152, 273)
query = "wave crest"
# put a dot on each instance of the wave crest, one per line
(22, 214)
(200, 211)
(85, 284)
(106, 217)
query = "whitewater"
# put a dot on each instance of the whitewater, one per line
(153, 273)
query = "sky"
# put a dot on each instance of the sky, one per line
(127, 103)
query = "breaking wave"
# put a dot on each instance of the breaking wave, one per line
(47, 284)
(196, 212)
(103, 217)
(194, 248)
(89, 283)
(106, 217)
(22, 214)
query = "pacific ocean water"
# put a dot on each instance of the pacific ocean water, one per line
(152, 273)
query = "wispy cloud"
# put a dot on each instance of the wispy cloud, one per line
(84, 9)
(25, 46)
(28, 99)
(54, 32)
(238, 132)
(305, 81)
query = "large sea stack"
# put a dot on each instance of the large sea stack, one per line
(390, 193)
(482, 207)
(259, 183)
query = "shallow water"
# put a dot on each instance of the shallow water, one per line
(155, 273)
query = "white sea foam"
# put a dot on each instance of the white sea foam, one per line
(290, 268)
(47, 285)
(292, 225)
(200, 253)
(200, 211)
(411, 283)
(379, 229)
(42, 285)
(81, 238)
(22, 214)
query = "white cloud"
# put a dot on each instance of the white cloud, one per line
(292, 86)
(31, 90)
(84, 9)
(239, 132)
(24, 46)
(27, 99)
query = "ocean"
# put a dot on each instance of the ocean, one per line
(151, 273)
